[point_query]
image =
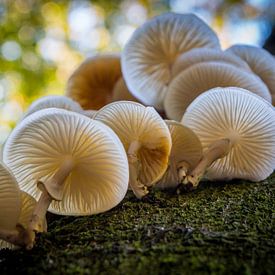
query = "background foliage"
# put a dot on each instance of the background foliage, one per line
(41, 42)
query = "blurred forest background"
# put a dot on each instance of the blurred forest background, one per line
(42, 42)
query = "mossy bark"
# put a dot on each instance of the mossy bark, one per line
(221, 228)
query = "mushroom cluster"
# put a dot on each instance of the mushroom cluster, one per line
(78, 154)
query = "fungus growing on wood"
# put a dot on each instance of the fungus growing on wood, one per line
(260, 61)
(185, 153)
(68, 162)
(148, 57)
(92, 83)
(146, 140)
(237, 129)
(199, 78)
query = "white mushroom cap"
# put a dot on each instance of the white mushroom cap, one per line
(245, 119)
(54, 101)
(199, 55)
(92, 83)
(44, 141)
(153, 48)
(261, 62)
(133, 122)
(10, 200)
(204, 76)
(27, 206)
(186, 151)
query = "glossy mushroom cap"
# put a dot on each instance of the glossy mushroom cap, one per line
(200, 55)
(144, 129)
(185, 153)
(204, 76)
(243, 118)
(261, 62)
(48, 139)
(54, 101)
(153, 48)
(10, 199)
(92, 83)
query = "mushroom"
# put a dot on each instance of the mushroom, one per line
(28, 204)
(236, 129)
(185, 153)
(121, 92)
(199, 78)
(200, 55)
(92, 83)
(54, 101)
(149, 55)
(68, 162)
(146, 140)
(261, 62)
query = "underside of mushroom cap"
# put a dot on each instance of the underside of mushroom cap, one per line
(245, 119)
(204, 76)
(54, 101)
(148, 56)
(93, 81)
(44, 141)
(186, 150)
(200, 55)
(261, 62)
(10, 200)
(133, 122)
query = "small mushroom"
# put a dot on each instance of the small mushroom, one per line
(237, 129)
(68, 162)
(28, 204)
(200, 55)
(204, 76)
(54, 101)
(148, 57)
(261, 62)
(146, 140)
(92, 83)
(185, 153)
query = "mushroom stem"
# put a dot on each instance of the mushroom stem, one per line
(139, 189)
(182, 169)
(216, 150)
(52, 189)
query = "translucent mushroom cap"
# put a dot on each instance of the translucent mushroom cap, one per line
(261, 62)
(27, 206)
(153, 48)
(244, 118)
(133, 122)
(92, 83)
(10, 200)
(199, 78)
(186, 147)
(42, 142)
(54, 101)
(199, 55)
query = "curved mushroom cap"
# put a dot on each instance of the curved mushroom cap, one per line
(186, 147)
(199, 55)
(154, 47)
(204, 76)
(244, 118)
(132, 121)
(54, 101)
(121, 92)
(10, 200)
(93, 81)
(42, 142)
(261, 62)
(89, 113)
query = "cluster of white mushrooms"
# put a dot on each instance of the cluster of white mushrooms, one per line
(78, 154)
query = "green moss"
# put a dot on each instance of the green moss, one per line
(219, 229)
